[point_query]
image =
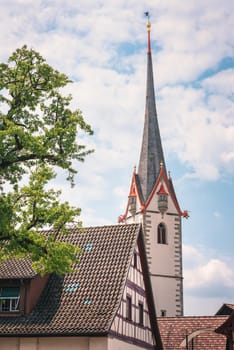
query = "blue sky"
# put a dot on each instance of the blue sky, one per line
(102, 46)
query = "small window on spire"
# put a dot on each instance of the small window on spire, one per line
(162, 236)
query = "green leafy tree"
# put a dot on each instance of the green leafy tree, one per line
(38, 135)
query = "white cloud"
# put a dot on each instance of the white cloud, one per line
(201, 136)
(191, 256)
(221, 83)
(206, 277)
(214, 272)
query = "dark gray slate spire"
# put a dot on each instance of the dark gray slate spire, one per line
(151, 149)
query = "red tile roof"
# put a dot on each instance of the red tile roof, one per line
(174, 330)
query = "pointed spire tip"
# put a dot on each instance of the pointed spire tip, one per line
(148, 25)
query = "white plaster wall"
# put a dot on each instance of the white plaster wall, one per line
(54, 343)
(9, 344)
(162, 254)
(117, 344)
(65, 343)
(98, 343)
(165, 295)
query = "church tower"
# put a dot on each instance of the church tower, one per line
(152, 202)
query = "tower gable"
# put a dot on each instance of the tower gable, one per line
(135, 204)
(163, 184)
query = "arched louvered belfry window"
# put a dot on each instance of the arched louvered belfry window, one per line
(162, 234)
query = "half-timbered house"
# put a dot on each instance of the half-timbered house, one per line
(106, 303)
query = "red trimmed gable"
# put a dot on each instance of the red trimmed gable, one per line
(133, 192)
(162, 190)
(165, 188)
(169, 190)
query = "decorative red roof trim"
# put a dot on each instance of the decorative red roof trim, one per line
(163, 176)
(121, 218)
(162, 190)
(133, 192)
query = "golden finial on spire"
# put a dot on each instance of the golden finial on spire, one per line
(161, 164)
(148, 25)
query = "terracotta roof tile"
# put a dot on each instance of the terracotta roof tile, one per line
(85, 301)
(14, 268)
(174, 330)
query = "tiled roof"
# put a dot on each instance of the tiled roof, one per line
(16, 269)
(84, 302)
(174, 330)
(227, 327)
(226, 309)
(231, 306)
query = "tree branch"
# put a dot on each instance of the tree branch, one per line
(6, 163)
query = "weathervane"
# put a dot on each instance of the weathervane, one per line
(147, 14)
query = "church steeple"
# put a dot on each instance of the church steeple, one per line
(151, 150)
(152, 202)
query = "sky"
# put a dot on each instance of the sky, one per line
(101, 45)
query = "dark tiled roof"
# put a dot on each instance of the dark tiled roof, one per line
(174, 330)
(84, 302)
(231, 306)
(226, 309)
(14, 268)
(227, 327)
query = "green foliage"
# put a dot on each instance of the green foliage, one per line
(38, 133)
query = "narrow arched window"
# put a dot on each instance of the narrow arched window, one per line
(162, 235)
